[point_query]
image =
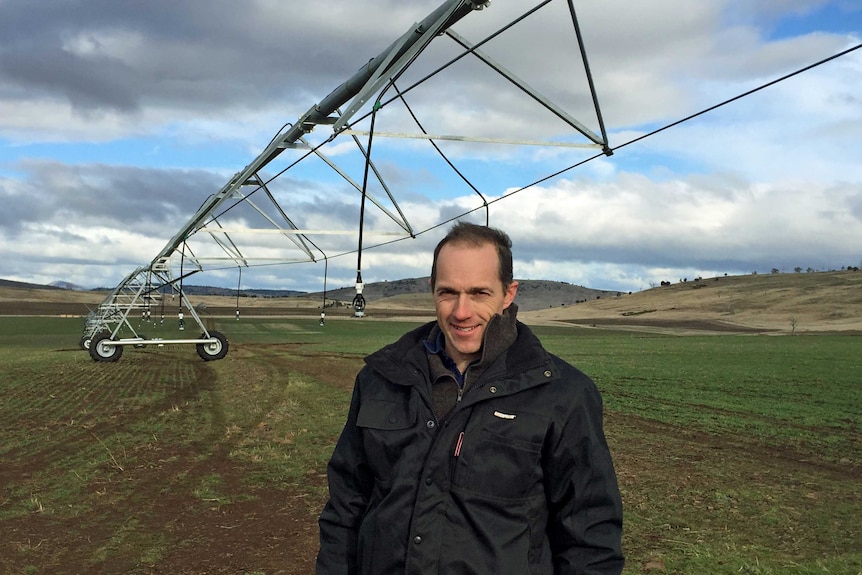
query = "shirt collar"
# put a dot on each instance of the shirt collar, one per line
(436, 345)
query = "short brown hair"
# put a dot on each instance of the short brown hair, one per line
(465, 233)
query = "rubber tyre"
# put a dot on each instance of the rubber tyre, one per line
(100, 352)
(85, 343)
(213, 350)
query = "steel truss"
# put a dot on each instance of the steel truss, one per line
(109, 329)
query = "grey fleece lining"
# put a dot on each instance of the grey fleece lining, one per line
(500, 334)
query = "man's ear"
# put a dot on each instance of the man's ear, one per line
(511, 291)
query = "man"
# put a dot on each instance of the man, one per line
(468, 448)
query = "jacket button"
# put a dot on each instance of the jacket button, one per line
(493, 389)
(548, 373)
(430, 424)
(429, 480)
(417, 540)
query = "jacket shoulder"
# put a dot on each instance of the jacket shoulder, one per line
(569, 378)
(406, 353)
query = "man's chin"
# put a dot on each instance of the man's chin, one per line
(467, 347)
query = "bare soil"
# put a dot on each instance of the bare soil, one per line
(268, 531)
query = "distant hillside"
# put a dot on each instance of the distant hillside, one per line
(766, 303)
(543, 294)
(378, 290)
(67, 285)
(25, 285)
(532, 294)
(231, 292)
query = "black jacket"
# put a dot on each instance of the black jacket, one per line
(517, 480)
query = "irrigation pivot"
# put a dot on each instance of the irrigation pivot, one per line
(245, 223)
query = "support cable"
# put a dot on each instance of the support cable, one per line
(442, 155)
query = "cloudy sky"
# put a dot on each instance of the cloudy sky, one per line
(118, 119)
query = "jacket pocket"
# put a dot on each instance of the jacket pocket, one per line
(388, 428)
(501, 458)
(384, 415)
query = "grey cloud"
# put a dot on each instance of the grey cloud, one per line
(187, 53)
(198, 56)
(136, 199)
(87, 86)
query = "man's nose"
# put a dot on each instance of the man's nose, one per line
(463, 309)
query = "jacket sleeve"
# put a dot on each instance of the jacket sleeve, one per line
(350, 484)
(584, 503)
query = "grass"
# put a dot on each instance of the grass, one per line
(784, 391)
(735, 454)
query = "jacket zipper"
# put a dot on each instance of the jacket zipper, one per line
(458, 445)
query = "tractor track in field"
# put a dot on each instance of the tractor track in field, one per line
(150, 490)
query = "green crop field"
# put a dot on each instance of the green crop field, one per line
(735, 454)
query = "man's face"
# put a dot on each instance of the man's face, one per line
(467, 294)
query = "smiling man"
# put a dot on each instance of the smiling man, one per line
(468, 448)
(468, 293)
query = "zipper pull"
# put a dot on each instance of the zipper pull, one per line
(458, 445)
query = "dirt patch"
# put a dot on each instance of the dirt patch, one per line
(705, 326)
(276, 533)
(273, 533)
(48, 308)
(338, 370)
(145, 509)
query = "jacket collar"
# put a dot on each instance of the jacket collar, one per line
(500, 334)
(405, 361)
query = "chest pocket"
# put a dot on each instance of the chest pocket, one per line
(388, 428)
(501, 457)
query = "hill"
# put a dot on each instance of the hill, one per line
(25, 285)
(781, 303)
(532, 294)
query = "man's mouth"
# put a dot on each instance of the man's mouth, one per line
(464, 329)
